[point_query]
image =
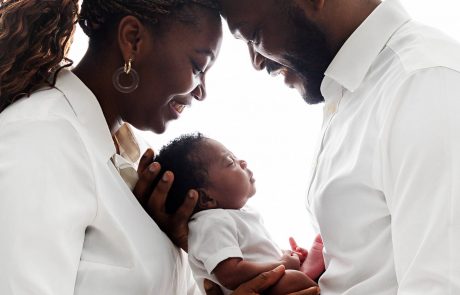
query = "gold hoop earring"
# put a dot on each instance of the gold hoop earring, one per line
(131, 74)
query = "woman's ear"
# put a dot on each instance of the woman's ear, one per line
(131, 37)
(205, 201)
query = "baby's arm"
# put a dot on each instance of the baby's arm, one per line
(232, 272)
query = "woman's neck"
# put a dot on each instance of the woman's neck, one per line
(95, 72)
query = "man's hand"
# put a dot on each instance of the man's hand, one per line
(258, 284)
(312, 263)
(153, 200)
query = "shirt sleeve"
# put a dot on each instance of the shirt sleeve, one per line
(47, 199)
(213, 238)
(422, 182)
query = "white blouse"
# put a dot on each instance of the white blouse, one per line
(68, 222)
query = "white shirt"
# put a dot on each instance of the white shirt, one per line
(385, 190)
(218, 234)
(68, 222)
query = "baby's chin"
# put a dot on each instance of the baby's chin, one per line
(253, 192)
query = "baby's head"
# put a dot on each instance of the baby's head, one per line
(204, 164)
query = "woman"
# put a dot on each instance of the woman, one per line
(69, 223)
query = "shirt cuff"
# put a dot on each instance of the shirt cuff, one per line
(218, 257)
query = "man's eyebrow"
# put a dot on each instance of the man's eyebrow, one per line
(207, 52)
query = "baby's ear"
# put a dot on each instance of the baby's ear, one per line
(205, 201)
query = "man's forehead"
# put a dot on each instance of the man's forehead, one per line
(239, 13)
(238, 8)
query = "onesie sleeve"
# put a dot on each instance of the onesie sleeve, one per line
(213, 238)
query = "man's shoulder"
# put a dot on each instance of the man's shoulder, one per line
(420, 47)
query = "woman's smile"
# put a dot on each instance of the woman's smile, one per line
(177, 107)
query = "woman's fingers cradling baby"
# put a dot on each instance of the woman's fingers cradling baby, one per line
(153, 200)
(147, 171)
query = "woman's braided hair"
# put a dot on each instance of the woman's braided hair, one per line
(97, 17)
(35, 35)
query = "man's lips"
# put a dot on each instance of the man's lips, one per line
(273, 68)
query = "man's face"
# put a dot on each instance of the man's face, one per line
(281, 40)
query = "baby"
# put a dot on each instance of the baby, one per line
(228, 243)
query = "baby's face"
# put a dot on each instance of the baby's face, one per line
(230, 181)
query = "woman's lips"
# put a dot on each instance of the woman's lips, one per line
(177, 108)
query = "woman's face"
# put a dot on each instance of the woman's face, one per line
(173, 72)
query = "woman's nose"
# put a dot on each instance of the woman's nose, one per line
(199, 93)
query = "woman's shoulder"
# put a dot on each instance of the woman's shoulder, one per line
(44, 104)
(40, 121)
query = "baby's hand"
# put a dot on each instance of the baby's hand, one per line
(312, 262)
(290, 260)
(301, 252)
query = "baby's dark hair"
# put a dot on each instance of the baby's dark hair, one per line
(183, 157)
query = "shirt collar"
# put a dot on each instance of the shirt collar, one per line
(354, 59)
(127, 142)
(87, 110)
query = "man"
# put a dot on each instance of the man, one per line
(385, 191)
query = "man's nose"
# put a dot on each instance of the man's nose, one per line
(258, 60)
(243, 164)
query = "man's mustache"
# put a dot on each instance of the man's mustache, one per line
(272, 66)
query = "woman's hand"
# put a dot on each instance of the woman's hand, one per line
(153, 200)
(258, 284)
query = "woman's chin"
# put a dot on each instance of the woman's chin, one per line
(159, 129)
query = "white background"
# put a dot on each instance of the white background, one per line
(269, 125)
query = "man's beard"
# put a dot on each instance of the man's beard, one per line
(309, 55)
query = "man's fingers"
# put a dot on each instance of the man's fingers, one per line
(157, 200)
(309, 291)
(212, 288)
(263, 281)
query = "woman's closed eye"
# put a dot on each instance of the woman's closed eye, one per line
(196, 69)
